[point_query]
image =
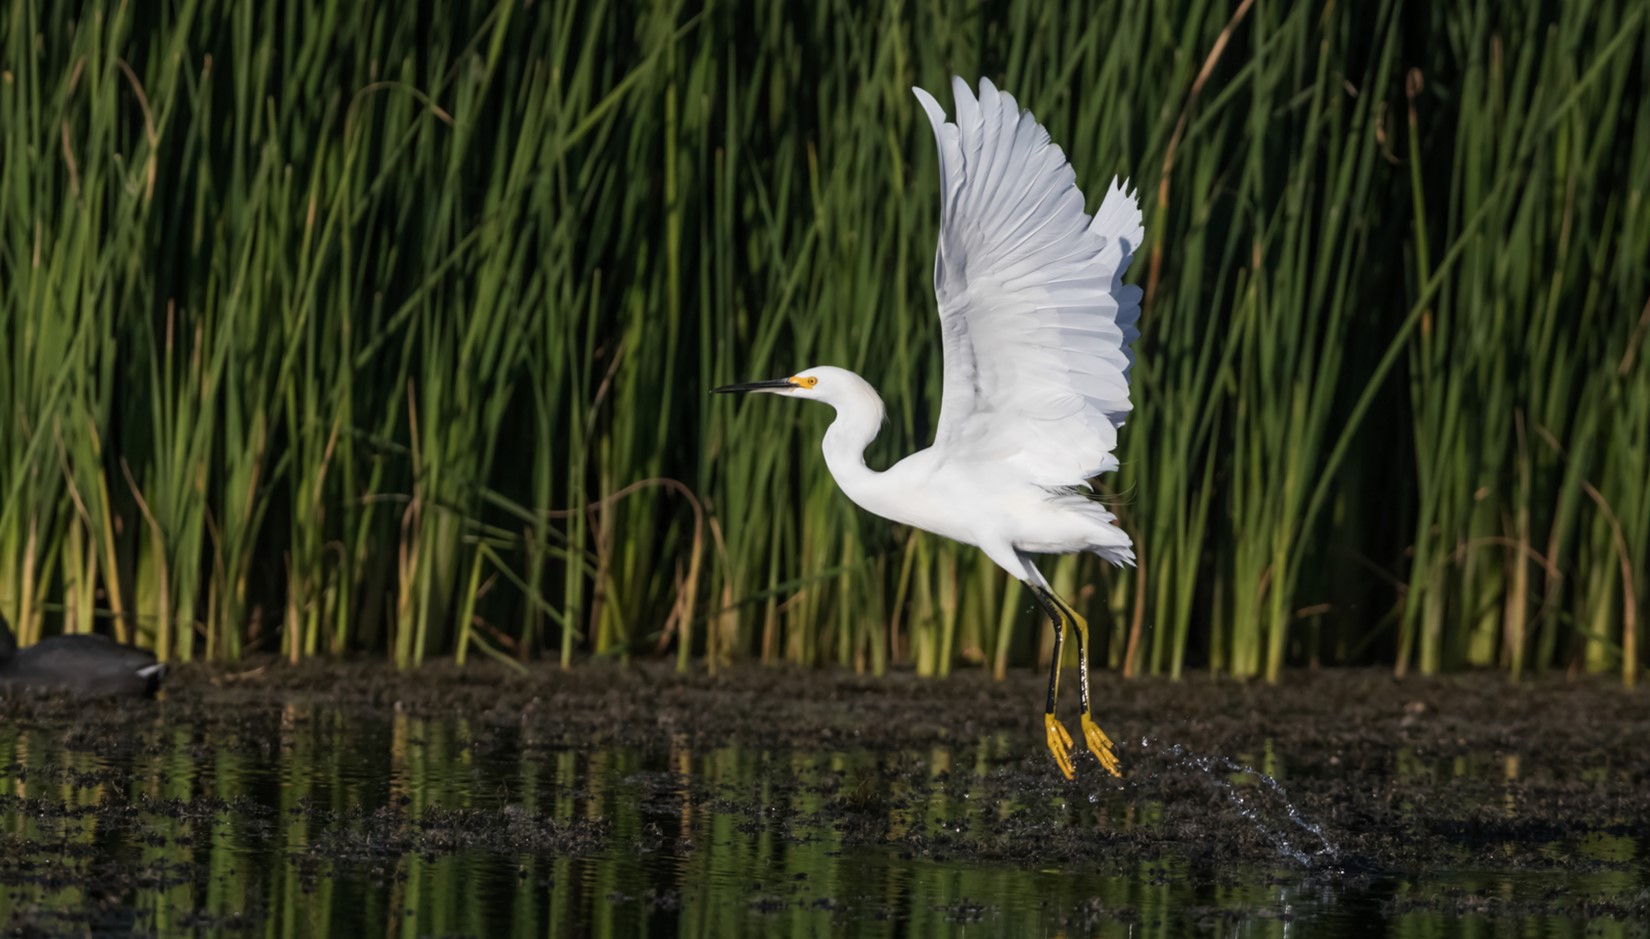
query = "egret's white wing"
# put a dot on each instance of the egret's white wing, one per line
(1038, 323)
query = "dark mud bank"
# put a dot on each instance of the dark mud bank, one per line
(1378, 781)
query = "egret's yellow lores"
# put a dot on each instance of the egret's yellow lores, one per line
(1037, 326)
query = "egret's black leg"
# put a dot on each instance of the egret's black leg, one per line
(1051, 606)
(1099, 744)
(1059, 741)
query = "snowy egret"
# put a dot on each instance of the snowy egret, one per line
(1037, 326)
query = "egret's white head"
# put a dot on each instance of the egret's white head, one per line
(837, 387)
(822, 383)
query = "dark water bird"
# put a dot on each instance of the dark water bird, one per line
(1038, 331)
(81, 665)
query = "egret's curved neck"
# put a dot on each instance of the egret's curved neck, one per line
(858, 417)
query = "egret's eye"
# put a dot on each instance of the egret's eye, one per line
(804, 381)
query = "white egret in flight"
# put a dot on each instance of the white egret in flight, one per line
(1037, 325)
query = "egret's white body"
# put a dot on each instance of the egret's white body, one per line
(1037, 325)
(977, 499)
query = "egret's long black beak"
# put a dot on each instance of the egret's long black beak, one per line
(772, 384)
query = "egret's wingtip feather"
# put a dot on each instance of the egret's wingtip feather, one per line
(1119, 218)
(1121, 188)
(936, 114)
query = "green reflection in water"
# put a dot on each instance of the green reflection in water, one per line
(314, 821)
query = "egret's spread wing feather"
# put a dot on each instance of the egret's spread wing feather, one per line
(1037, 322)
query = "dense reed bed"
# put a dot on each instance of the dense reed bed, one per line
(333, 327)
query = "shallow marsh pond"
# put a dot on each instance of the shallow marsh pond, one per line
(628, 802)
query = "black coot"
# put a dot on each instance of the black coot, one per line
(82, 665)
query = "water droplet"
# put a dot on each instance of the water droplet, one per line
(1279, 838)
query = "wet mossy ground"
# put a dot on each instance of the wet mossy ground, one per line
(1382, 784)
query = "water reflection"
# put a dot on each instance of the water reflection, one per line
(311, 821)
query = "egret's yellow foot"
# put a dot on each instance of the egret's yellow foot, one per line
(1101, 746)
(1059, 744)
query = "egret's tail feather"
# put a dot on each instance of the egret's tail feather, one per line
(1105, 538)
(1116, 557)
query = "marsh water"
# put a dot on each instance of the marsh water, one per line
(293, 802)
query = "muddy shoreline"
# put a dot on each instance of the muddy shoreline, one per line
(1382, 782)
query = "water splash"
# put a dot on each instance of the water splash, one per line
(1215, 766)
